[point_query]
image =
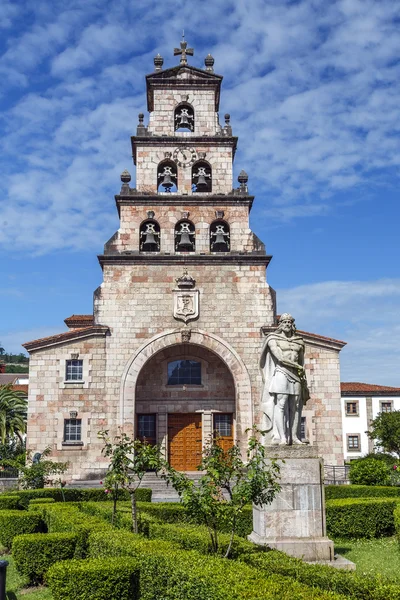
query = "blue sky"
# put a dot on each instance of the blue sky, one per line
(313, 92)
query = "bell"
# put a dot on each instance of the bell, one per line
(184, 118)
(185, 240)
(219, 238)
(149, 239)
(201, 182)
(167, 182)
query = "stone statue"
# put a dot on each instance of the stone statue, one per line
(285, 385)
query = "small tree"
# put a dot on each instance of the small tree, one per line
(385, 431)
(129, 461)
(228, 484)
(35, 472)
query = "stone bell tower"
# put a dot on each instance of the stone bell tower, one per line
(171, 352)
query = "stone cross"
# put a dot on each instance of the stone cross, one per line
(184, 51)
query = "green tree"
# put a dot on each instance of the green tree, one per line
(227, 485)
(13, 413)
(129, 462)
(370, 471)
(36, 471)
(385, 431)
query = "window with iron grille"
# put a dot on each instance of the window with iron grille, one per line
(223, 425)
(386, 407)
(352, 408)
(353, 442)
(74, 370)
(146, 428)
(184, 372)
(72, 430)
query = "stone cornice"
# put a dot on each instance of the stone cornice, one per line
(311, 339)
(196, 140)
(216, 201)
(184, 259)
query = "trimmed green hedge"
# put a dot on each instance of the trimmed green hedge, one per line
(166, 572)
(349, 583)
(35, 553)
(16, 522)
(360, 518)
(78, 495)
(396, 515)
(171, 512)
(9, 502)
(36, 503)
(94, 579)
(360, 491)
(66, 518)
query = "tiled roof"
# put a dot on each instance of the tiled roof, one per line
(75, 321)
(66, 336)
(6, 378)
(21, 388)
(355, 388)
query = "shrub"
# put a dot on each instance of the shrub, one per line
(350, 584)
(177, 575)
(66, 518)
(8, 502)
(36, 503)
(35, 553)
(361, 518)
(360, 491)
(196, 537)
(77, 495)
(94, 579)
(369, 471)
(16, 522)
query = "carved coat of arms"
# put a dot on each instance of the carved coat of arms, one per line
(186, 299)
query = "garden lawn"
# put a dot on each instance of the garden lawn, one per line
(15, 585)
(378, 556)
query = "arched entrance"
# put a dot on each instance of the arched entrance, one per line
(177, 392)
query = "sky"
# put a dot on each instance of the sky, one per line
(313, 92)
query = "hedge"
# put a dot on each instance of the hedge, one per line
(94, 579)
(16, 522)
(36, 503)
(78, 495)
(171, 512)
(35, 553)
(66, 518)
(360, 491)
(166, 572)
(8, 502)
(396, 515)
(349, 583)
(360, 518)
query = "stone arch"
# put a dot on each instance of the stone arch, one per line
(215, 344)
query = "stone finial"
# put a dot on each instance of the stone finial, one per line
(141, 129)
(158, 62)
(227, 126)
(227, 119)
(125, 176)
(209, 63)
(243, 179)
(185, 281)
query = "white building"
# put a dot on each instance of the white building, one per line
(361, 403)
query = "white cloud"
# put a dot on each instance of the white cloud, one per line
(362, 313)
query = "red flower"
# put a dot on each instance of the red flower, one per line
(101, 483)
(395, 467)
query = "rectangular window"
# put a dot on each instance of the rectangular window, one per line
(223, 425)
(74, 370)
(353, 442)
(181, 372)
(146, 428)
(386, 407)
(352, 408)
(72, 430)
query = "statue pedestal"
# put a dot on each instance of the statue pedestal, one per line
(295, 521)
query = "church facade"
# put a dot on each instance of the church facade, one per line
(171, 352)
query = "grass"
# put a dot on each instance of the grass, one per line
(379, 556)
(15, 585)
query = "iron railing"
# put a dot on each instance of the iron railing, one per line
(336, 475)
(7, 473)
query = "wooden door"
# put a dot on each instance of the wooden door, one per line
(184, 441)
(223, 429)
